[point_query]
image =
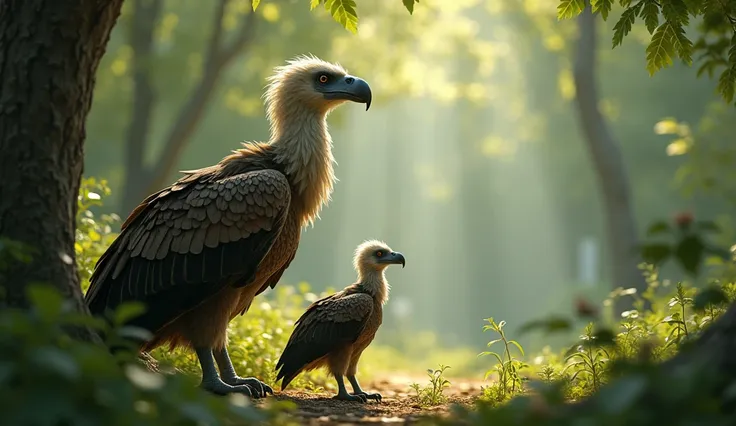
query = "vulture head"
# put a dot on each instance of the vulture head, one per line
(377, 256)
(309, 84)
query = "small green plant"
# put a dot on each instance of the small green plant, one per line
(507, 367)
(433, 394)
(678, 319)
(547, 374)
(588, 358)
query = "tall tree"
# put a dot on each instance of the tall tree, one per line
(605, 155)
(50, 53)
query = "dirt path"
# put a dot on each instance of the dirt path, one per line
(397, 405)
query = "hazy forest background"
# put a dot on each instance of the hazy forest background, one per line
(472, 160)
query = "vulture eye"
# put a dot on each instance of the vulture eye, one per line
(323, 78)
(379, 253)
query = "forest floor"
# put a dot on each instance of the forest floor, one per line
(397, 405)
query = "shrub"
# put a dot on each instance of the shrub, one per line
(46, 378)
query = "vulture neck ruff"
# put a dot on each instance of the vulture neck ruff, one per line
(374, 282)
(303, 145)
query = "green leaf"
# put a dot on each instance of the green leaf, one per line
(650, 13)
(675, 11)
(46, 300)
(659, 227)
(569, 8)
(620, 395)
(602, 6)
(624, 24)
(712, 295)
(708, 226)
(604, 337)
(661, 49)
(254, 4)
(409, 5)
(518, 346)
(683, 45)
(689, 253)
(58, 361)
(313, 4)
(492, 342)
(343, 11)
(128, 311)
(549, 325)
(727, 84)
(656, 253)
(727, 80)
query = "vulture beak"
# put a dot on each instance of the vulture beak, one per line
(349, 88)
(394, 258)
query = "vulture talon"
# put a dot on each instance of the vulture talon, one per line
(348, 397)
(218, 387)
(374, 396)
(261, 389)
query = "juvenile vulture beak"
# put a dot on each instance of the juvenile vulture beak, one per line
(394, 258)
(349, 88)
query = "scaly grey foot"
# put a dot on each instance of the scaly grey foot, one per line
(348, 397)
(219, 387)
(374, 396)
(261, 390)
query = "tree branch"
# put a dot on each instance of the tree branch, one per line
(145, 15)
(608, 163)
(219, 55)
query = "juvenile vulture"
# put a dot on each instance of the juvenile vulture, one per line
(335, 330)
(197, 252)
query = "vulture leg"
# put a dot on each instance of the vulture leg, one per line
(342, 393)
(358, 391)
(211, 381)
(227, 371)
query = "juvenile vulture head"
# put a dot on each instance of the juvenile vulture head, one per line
(376, 256)
(308, 84)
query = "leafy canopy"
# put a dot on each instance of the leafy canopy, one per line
(343, 11)
(667, 22)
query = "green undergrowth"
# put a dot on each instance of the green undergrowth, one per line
(611, 374)
(584, 367)
(47, 378)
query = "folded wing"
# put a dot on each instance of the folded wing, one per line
(186, 242)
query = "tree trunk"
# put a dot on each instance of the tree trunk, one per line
(49, 54)
(608, 163)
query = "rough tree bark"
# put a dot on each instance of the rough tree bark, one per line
(49, 54)
(606, 156)
(142, 180)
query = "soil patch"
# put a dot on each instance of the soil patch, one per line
(397, 406)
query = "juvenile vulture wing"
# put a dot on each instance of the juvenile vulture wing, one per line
(186, 242)
(326, 326)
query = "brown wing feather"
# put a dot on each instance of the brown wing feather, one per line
(185, 243)
(326, 326)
